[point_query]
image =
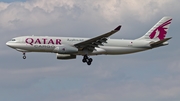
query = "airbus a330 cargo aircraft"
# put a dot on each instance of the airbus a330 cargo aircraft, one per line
(70, 47)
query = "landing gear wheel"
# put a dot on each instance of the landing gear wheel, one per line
(90, 59)
(85, 57)
(87, 60)
(88, 63)
(84, 60)
(24, 57)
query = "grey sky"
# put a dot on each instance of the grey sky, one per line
(9, 1)
(151, 75)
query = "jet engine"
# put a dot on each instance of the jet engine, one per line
(65, 49)
(66, 56)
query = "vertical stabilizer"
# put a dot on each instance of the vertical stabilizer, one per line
(159, 30)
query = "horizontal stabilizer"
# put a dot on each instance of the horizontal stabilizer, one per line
(160, 43)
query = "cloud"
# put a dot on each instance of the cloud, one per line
(128, 91)
(175, 66)
(151, 75)
(42, 12)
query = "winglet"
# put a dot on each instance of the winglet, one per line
(118, 28)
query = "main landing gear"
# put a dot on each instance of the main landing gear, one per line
(87, 60)
(24, 55)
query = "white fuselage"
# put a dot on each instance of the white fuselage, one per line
(49, 44)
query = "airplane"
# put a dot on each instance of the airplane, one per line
(70, 47)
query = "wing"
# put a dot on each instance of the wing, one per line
(90, 44)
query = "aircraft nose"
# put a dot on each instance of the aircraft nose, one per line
(8, 44)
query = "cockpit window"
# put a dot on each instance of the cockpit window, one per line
(13, 40)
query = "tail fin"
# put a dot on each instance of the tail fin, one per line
(159, 30)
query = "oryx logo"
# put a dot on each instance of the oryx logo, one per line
(161, 31)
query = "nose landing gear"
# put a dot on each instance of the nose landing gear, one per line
(24, 55)
(87, 60)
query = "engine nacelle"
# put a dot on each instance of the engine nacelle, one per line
(65, 49)
(66, 56)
